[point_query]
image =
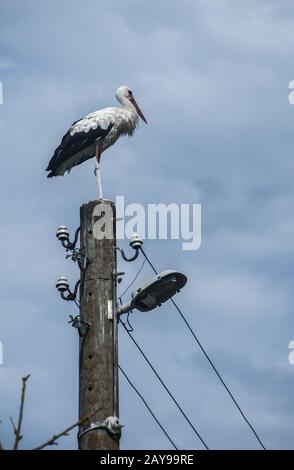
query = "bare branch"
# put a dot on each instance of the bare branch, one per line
(17, 431)
(13, 425)
(53, 439)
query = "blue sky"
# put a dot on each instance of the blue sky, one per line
(212, 79)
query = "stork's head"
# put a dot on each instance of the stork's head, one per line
(125, 96)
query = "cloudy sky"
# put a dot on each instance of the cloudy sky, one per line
(212, 79)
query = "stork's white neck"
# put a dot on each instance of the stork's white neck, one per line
(126, 104)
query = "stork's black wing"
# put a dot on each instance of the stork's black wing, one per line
(73, 145)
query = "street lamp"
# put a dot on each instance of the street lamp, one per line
(155, 292)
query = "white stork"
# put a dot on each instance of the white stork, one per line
(94, 133)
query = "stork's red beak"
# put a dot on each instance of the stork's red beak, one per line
(134, 103)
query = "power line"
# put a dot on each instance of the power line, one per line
(164, 386)
(208, 358)
(147, 406)
(134, 280)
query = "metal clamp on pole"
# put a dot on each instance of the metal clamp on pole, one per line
(78, 323)
(79, 257)
(110, 425)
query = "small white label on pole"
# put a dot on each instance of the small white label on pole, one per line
(110, 310)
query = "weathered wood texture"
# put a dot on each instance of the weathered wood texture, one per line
(98, 349)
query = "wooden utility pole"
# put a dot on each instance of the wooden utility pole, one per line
(98, 388)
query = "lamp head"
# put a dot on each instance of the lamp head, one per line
(155, 292)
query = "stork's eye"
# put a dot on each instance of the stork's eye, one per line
(130, 93)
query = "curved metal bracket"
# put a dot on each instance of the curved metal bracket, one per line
(71, 295)
(124, 255)
(71, 245)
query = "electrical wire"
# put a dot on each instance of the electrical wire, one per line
(147, 406)
(131, 329)
(134, 280)
(164, 386)
(208, 358)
